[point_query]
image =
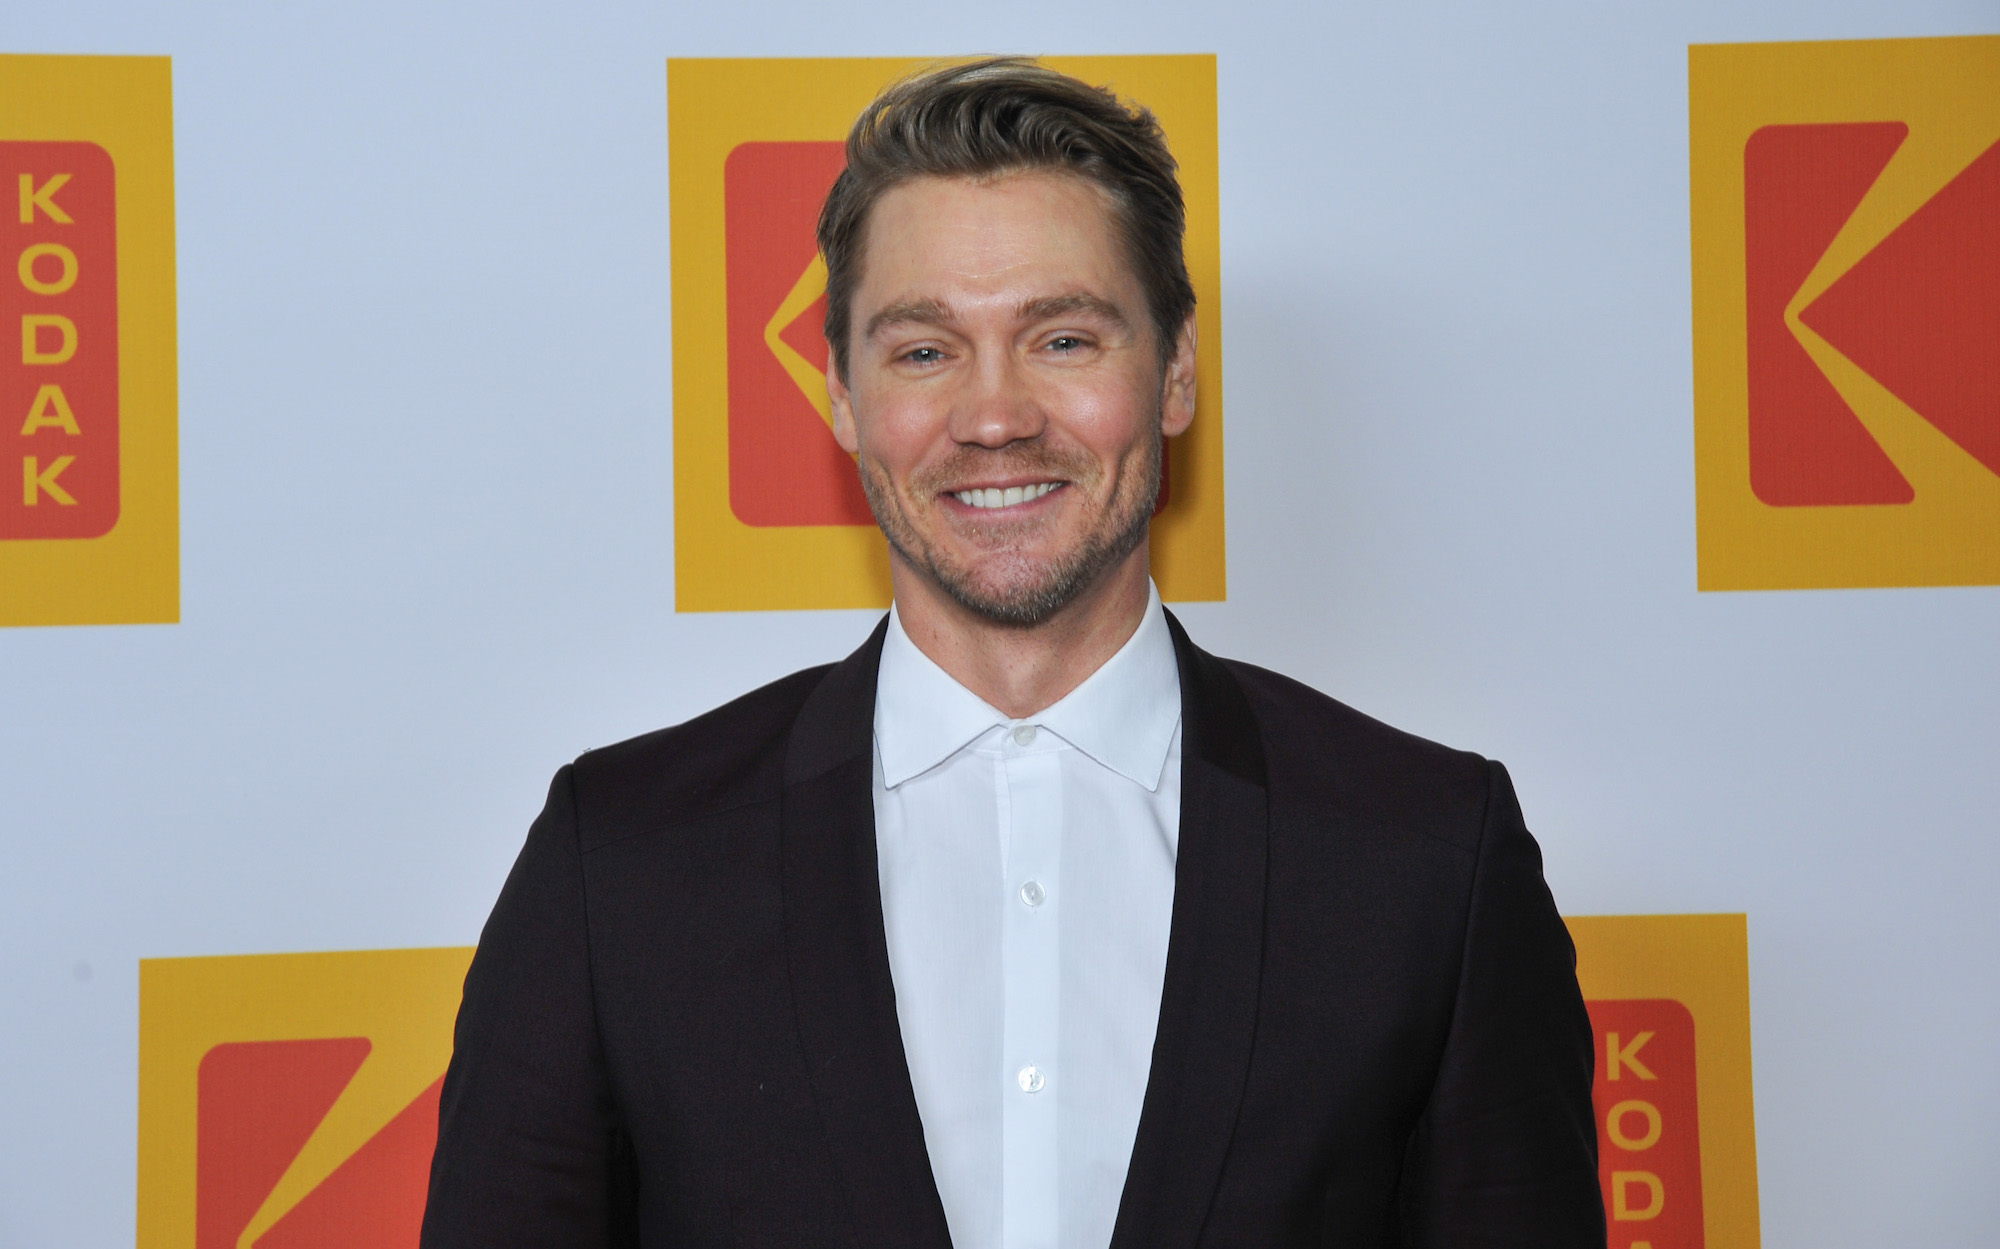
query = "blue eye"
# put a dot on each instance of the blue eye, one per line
(925, 355)
(1065, 342)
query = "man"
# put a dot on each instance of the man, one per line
(1029, 924)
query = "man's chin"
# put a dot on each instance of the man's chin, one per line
(1014, 591)
(1017, 607)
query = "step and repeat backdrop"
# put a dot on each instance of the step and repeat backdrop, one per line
(410, 397)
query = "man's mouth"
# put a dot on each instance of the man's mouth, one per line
(1008, 496)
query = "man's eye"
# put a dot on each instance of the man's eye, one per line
(924, 355)
(1066, 342)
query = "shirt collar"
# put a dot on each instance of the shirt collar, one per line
(1124, 715)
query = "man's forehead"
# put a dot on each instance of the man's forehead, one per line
(1028, 242)
(1036, 214)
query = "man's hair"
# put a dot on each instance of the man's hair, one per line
(1003, 115)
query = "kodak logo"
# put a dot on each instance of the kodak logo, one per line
(1919, 313)
(290, 1101)
(59, 317)
(1648, 1140)
(1845, 231)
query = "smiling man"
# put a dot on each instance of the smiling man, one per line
(1030, 925)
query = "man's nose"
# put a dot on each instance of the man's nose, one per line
(996, 406)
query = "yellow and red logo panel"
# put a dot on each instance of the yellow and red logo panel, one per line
(89, 531)
(768, 511)
(1846, 232)
(290, 1101)
(1669, 1002)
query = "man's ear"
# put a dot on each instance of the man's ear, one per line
(843, 409)
(1177, 387)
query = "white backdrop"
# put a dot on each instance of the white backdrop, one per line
(427, 536)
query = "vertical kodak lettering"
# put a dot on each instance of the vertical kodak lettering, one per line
(50, 410)
(37, 481)
(1628, 1056)
(44, 198)
(31, 341)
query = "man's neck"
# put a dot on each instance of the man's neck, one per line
(1023, 669)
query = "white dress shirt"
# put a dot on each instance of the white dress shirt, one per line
(1027, 872)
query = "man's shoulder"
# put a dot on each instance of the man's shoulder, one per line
(1320, 751)
(730, 757)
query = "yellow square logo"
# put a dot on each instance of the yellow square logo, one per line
(1669, 1002)
(768, 512)
(89, 477)
(1846, 248)
(290, 1101)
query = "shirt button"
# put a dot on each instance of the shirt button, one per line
(1033, 894)
(1030, 1079)
(1024, 735)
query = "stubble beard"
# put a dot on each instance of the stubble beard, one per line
(1007, 587)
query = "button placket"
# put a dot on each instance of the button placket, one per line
(1032, 975)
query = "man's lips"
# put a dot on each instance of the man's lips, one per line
(996, 497)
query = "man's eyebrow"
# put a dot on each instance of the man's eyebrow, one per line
(910, 311)
(1050, 307)
(1047, 308)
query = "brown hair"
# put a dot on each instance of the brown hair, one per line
(1001, 115)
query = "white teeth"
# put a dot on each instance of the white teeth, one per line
(993, 496)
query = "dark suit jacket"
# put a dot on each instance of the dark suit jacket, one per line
(680, 1028)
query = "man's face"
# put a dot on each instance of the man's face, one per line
(1004, 391)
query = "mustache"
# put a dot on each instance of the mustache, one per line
(968, 464)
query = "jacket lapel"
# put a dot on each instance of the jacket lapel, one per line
(1215, 955)
(838, 960)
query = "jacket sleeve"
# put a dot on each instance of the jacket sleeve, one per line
(1506, 1151)
(529, 1151)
